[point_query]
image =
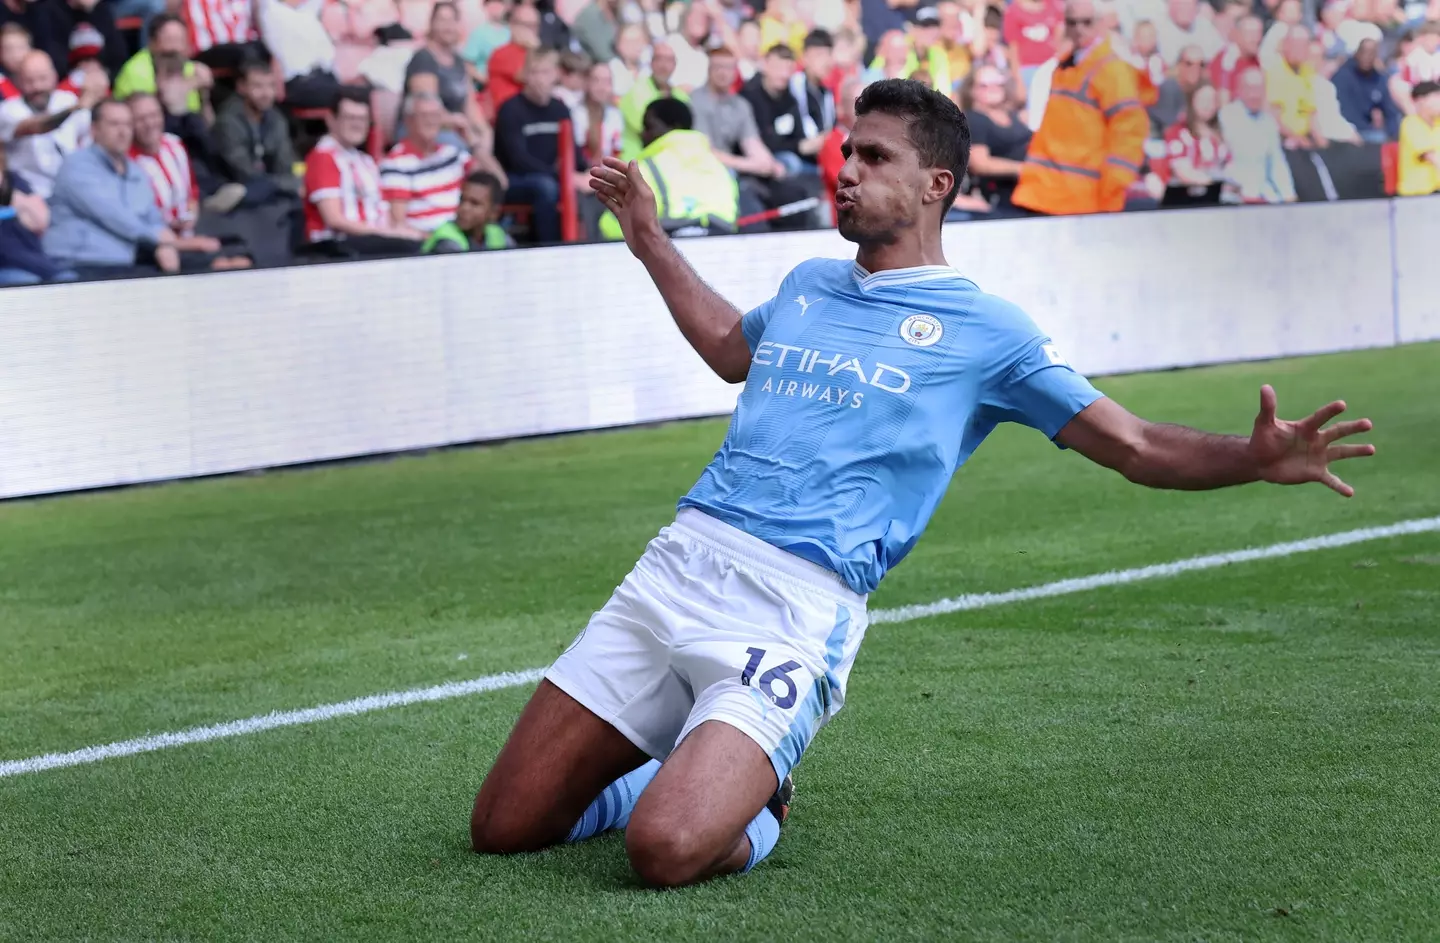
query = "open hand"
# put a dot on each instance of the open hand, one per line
(626, 194)
(1293, 453)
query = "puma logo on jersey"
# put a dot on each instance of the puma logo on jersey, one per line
(804, 305)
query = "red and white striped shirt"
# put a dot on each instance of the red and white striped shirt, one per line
(217, 22)
(1226, 69)
(170, 177)
(335, 172)
(428, 183)
(1206, 154)
(1420, 66)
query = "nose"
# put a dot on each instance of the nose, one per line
(849, 172)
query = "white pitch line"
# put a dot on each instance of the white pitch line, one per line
(512, 679)
(1118, 577)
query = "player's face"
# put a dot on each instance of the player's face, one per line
(882, 187)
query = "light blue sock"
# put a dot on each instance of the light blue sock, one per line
(613, 806)
(763, 832)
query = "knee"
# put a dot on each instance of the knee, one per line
(547, 190)
(494, 833)
(666, 854)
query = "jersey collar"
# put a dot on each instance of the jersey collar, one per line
(902, 276)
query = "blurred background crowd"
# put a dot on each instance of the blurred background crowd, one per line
(186, 135)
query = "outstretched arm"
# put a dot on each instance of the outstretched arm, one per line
(709, 322)
(1159, 455)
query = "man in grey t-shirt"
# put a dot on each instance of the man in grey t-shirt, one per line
(729, 122)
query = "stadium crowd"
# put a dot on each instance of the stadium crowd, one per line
(157, 136)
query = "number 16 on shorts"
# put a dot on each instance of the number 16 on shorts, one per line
(777, 684)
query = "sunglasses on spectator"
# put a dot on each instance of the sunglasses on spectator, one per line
(1074, 21)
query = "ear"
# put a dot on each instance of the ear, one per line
(940, 183)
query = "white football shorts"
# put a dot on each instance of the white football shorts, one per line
(713, 624)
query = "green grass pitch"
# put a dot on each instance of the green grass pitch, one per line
(1245, 753)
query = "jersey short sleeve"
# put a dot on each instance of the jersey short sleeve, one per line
(1041, 390)
(322, 176)
(12, 112)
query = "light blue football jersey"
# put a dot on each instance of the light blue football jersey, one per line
(865, 394)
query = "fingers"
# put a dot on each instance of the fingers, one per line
(611, 176)
(1329, 480)
(1323, 415)
(1342, 429)
(1267, 404)
(1338, 453)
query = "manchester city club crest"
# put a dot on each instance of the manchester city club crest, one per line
(921, 330)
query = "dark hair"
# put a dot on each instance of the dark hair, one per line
(98, 111)
(446, 5)
(994, 19)
(819, 39)
(672, 114)
(484, 178)
(934, 125)
(14, 29)
(1422, 89)
(162, 20)
(781, 51)
(250, 63)
(350, 93)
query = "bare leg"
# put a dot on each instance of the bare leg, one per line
(689, 824)
(557, 760)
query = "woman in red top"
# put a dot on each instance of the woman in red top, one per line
(1196, 156)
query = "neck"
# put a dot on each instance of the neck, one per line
(253, 113)
(118, 160)
(771, 90)
(424, 146)
(536, 97)
(910, 250)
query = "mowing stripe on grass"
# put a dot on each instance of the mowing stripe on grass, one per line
(511, 679)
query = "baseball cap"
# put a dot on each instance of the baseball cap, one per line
(927, 16)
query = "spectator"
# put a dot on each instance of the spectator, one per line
(1420, 64)
(1288, 13)
(892, 58)
(961, 36)
(420, 178)
(631, 45)
(23, 220)
(1241, 54)
(832, 156)
(748, 50)
(694, 193)
(1030, 32)
(658, 84)
(574, 76)
(596, 27)
(223, 32)
(304, 50)
(999, 140)
(14, 46)
(475, 227)
(252, 138)
(996, 53)
(486, 37)
(1333, 14)
(1196, 157)
(1144, 55)
(439, 57)
(1364, 94)
(1174, 92)
(729, 122)
(928, 52)
(1330, 124)
(599, 126)
(1419, 171)
(807, 85)
(105, 219)
(845, 60)
(69, 30)
(1182, 27)
(169, 43)
(691, 47)
(1291, 88)
(1090, 144)
(777, 113)
(345, 213)
(1258, 168)
(780, 25)
(1227, 17)
(44, 126)
(528, 141)
(508, 62)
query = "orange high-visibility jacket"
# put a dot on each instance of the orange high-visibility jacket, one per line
(1091, 142)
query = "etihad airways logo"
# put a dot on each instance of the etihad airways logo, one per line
(843, 366)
